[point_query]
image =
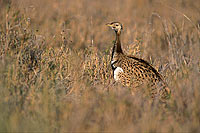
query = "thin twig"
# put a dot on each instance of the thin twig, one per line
(179, 12)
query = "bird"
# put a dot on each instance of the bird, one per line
(134, 72)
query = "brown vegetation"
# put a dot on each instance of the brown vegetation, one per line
(55, 65)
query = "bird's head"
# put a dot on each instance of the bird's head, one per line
(116, 26)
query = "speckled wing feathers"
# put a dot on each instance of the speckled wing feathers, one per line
(137, 72)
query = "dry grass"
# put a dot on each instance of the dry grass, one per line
(55, 65)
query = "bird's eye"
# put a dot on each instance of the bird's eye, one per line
(117, 25)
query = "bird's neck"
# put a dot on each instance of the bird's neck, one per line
(117, 50)
(117, 46)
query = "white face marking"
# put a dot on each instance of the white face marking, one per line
(116, 73)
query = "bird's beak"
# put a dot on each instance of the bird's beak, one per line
(108, 24)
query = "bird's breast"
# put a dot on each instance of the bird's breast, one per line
(117, 72)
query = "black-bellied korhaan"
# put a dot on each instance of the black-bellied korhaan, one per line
(132, 71)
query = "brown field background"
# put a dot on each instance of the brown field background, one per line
(55, 72)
